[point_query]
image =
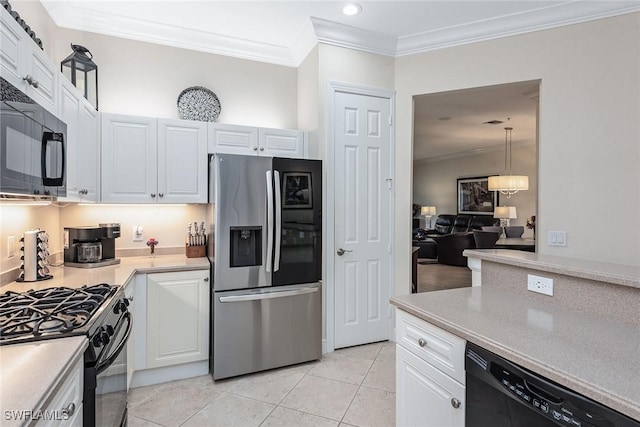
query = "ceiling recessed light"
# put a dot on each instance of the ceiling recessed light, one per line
(352, 9)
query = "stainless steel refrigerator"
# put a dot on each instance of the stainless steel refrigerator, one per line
(266, 255)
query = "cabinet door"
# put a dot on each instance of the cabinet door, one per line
(12, 50)
(281, 143)
(67, 402)
(129, 159)
(424, 395)
(182, 161)
(69, 112)
(89, 148)
(232, 139)
(45, 73)
(177, 318)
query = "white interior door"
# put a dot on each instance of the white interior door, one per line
(362, 252)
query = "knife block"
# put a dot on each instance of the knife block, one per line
(198, 251)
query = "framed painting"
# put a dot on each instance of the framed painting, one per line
(474, 197)
(296, 190)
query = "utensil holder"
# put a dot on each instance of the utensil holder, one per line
(198, 251)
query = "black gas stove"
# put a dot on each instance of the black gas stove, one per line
(51, 313)
(100, 312)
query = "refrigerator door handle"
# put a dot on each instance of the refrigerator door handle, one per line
(276, 263)
(269, 221)
(268, 295)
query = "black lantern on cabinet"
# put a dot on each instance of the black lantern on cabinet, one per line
(83, 72)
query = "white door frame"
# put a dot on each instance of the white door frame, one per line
(329, 288)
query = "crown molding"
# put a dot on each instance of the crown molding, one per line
(169, 35)
(333, 33)
(543, 18)
(69, 14)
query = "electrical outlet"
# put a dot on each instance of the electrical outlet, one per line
(11, 246)
(541, 285)
(137, 233)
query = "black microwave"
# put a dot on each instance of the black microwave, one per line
(32, 146)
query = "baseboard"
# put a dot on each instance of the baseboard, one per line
(170, 373)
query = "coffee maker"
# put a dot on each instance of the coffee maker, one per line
(91, 246)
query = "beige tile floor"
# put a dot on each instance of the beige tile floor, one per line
(349, 387)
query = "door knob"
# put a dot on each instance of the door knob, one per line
(341, 251)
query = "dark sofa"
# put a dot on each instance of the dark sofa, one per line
(447, 224)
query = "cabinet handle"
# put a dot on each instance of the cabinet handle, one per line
(160, 194)
(69, 410)
(206, 279)
(255, 148)
(422, 342)
(31, 80)
(153, 194)
(455, 403)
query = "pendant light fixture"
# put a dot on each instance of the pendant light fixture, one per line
(508, 184)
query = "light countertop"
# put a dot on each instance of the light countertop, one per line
(625, 275)
(29, 371)
(117, 275)
(593, 355)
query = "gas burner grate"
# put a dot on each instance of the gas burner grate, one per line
(37, 314)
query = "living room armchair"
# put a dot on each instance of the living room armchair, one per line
(451, 246)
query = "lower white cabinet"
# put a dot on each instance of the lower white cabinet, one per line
(430, 380)
(177, 318)
(424, 395)
(65, 407)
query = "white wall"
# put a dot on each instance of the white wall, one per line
(145, 79)
(589, 129)
(435, 182)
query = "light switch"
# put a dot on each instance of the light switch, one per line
(11, 246)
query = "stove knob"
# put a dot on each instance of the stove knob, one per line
(110, 330)
(104, 337)
(125, 301)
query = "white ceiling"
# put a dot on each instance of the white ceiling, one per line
(451, 124)
(283, 32)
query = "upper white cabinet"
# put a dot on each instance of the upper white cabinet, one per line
(147, 160)
(247, 140)
(129, 159)
(25, 65)
(182, 161)
(82, 140)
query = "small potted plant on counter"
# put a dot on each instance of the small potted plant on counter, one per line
(152, 242)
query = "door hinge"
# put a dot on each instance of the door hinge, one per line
(390, 120)
(389, 247)
(389, 182)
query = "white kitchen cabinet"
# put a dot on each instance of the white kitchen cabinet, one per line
(82, 141)
(129, 154)
(65, 407)
(182, 161)
(247, 140)
(148, 160)
(424, 395)
(177, 318)
(430, 376)
(25, 65)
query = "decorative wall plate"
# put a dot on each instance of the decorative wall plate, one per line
(198, 103)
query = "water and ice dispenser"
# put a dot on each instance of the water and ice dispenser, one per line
(246, 246)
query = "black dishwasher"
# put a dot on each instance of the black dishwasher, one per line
(502, 394)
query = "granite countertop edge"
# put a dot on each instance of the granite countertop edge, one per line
(606, 397)
(625, 275)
